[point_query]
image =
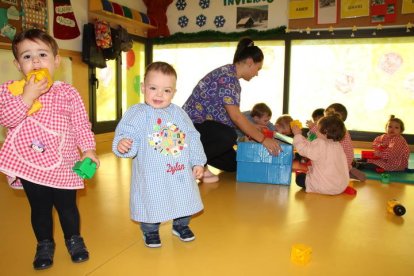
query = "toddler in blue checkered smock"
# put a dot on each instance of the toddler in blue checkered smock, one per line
(167, 156)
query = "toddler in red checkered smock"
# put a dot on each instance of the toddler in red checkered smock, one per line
(391, 150)
(47, 128)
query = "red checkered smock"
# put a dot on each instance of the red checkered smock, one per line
(42, 148)
(393, 151)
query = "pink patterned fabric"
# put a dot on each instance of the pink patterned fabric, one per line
(44, 147)
(393, 151)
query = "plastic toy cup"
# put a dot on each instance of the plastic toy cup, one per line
(301, 254)
(385, 178)
(85, 168)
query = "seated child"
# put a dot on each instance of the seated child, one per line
(282, 124)
(260, 116)
(346, 142)
(329, 173)
(391, 149)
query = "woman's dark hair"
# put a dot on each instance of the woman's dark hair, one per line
(261, 109)
(395, 120)
(333, 126)
(246, 49)
(33, 35)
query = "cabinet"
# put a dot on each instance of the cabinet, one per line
(134, 25)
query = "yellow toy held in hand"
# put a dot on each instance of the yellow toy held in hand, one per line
(296, 123)
(16, 87)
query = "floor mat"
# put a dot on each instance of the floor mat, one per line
(403, 177)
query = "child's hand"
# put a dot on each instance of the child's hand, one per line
(310, 124)
(92, 155)
(296, 130)
(32, 90)
(124, 145)
(198, 172)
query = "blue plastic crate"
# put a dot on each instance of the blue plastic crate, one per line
(255, 164)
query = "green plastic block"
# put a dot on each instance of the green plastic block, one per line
(85, 168)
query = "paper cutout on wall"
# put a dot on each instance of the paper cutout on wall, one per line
(354, 8)
(219, 21)
(383, 11)
(299, 9)
(183, 21)
(327, 11)
(407, 6)
(64, 21)
(34, 15)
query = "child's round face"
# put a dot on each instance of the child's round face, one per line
(393, 128)
(158, 89)
(262, 121)
(33, 55)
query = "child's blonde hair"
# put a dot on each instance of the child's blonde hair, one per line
(395, 120)
(284, 120)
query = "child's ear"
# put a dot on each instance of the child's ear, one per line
(16, 63)
(57, 61)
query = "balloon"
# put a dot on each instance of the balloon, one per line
(130, 57)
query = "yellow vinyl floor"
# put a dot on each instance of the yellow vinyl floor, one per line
(245, 229)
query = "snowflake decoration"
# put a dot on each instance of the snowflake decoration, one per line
(183, 21)
(181, 4)
(201, 20)
(219, 21)
(204, 4)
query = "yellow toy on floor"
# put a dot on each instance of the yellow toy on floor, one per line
(16, 87)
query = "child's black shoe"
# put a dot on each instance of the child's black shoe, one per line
(183, 232)
(77, 249)
(45, 251)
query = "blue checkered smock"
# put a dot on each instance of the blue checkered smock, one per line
(165, 148)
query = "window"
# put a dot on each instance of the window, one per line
(116, 87)
(373, 78)
(193, 61)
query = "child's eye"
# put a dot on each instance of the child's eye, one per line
(25, 57)
(152, 88)
(43, 55)
(168, 91)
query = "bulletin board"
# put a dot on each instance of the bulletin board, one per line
(384, 12)
(18, 15)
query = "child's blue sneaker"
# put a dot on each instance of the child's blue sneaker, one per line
(183, 232)
(152, 239)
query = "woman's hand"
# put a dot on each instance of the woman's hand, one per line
(272, 146)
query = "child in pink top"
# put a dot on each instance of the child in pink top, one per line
(346, 142)
(44, 143)
(390, 148)
(329, 172)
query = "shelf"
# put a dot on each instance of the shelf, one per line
(134, 27)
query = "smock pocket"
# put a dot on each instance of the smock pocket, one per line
(37, 146)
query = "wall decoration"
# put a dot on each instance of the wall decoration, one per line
(407, 6)
(252, 17)
(299, 9)
(34, 15)
(157, 12)
(327, 11)
(10, 21)
(219, 21)
(354, 8)
(201, 20)
(181, 4)
(204, 4)
(64, 21)
(183, 21)
(383, 11)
